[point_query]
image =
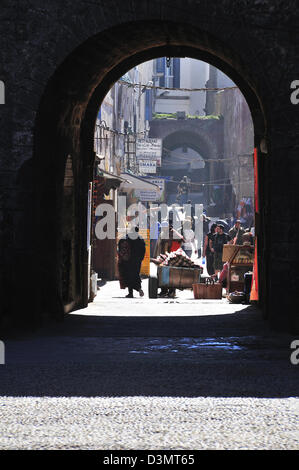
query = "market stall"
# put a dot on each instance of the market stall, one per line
(240, 259)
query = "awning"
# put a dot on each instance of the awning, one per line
(111, 181)
(110, 176)
(143, 190)
(136, 183)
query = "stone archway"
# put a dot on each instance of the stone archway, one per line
(64, 126)
(204, 136)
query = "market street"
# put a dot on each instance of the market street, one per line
(151, 374)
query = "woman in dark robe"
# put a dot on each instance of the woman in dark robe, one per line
(131, 252)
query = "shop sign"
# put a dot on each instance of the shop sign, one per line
(147, 166)
(160, 182)
(149, 149)
(146, 195)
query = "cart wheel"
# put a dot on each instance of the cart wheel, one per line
(153, 287)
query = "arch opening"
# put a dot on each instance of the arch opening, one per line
(65, 128)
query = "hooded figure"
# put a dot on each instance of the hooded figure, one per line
(131, 251)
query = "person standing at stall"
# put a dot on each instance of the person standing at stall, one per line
(236, 234)
(155, 227)
(216, 245)
(169, 240)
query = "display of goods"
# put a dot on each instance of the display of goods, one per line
(176, 258)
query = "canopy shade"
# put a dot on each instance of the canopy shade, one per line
(111, 181)
(133, 182)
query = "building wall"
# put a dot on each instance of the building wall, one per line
(144, 77)
(238, 141)
(198, 78)
(123, 108)
(193, 74)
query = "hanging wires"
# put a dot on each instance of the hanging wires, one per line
(157, 87)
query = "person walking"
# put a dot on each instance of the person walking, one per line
(131, 251)
(183, 189)
(216, 245)
(207, 253)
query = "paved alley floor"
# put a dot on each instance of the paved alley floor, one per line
(151, 374)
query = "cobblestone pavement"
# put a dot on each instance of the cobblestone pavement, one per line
(151, 374)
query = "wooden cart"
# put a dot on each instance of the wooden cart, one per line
(171, 276)
(239, 263)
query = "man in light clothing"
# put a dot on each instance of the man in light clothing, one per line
(189, 245)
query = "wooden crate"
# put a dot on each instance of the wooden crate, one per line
(170, 276)
(207, 291)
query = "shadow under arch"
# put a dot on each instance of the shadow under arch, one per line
(65, 125)
(122, 356)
